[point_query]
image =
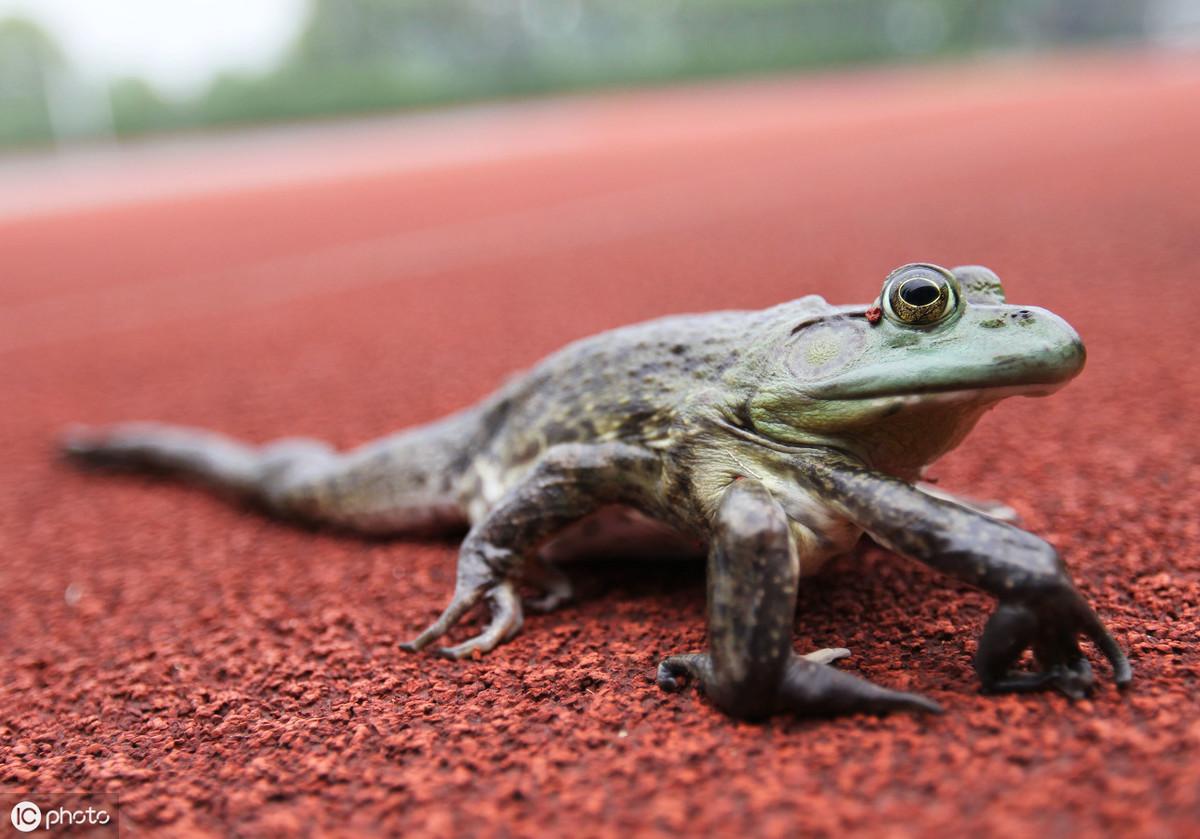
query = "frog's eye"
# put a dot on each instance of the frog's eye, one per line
(919, 295)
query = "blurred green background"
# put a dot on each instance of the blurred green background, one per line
(358, 56)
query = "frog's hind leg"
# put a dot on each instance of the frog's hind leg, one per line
(402, 483)
(750, 670)
(569, 481)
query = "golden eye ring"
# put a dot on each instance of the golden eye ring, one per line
(919, 295)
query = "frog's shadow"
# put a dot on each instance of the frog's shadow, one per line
(874, 579)
(869, 577)
(868, 580)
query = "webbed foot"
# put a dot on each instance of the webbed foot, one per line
(1048, 621)
(809, 687)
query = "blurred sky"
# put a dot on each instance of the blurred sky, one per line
(178, 45)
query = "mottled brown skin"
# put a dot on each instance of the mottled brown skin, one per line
(776, 438)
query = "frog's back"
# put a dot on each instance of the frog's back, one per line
(621, 385)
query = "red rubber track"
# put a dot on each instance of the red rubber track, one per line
(229, 675)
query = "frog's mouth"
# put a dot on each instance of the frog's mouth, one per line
(1037, 374)
(950, 392)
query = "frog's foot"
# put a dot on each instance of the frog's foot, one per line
(1071, 679)
(1049, 622)
(812, 688)
(676, 672)
(809, 687)
(507, 618)
(555, 586)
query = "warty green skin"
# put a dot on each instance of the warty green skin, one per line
(776, 438)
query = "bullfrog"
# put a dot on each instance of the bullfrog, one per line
(771, 439)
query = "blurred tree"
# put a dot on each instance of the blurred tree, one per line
(356, 56)
(29, 64)
(138, 107)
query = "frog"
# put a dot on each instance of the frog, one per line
(771, 440)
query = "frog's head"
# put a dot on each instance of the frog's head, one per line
(901, 382)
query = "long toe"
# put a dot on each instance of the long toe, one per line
(478, 644)
(506, 622)
(77, 440)
(1073, 681)
(86, 446)
(485, 642)
(431, 634)
(827, 655)
(811, 689)
(676, 672)
(547, 602)
(460, 604)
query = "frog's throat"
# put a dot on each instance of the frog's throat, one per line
(899, 435)
(956, 393)
(798, 449)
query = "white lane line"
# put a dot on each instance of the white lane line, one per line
(162, 168)
(670, 205)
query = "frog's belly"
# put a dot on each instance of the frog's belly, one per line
(617, 532)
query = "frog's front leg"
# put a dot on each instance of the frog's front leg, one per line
(1039, 606)
(750, 670)
(570, 481)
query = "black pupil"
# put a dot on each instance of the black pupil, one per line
(919, 292)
